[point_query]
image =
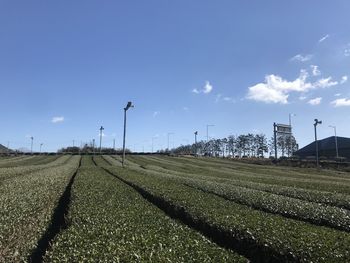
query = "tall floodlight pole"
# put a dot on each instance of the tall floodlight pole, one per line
(291, 133)
(41, 145)
(128, 106)
(101, 132)
(31, 145)
(195, 142)
(169, 133)
(336, 140)
(275, 138)
(315, 125)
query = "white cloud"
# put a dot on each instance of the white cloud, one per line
(301, 58)
(337, 94)
(323, 38)
(206, 89)
(325, 83)
(341, 102)
(185, 108)
(315, 101)
(343, 79)
(57, 119)
(276, 90)
(302, 98)
(195, 91)
(315, 70)
(227, 99)
(266, 93)
(155, 114)
(347, 50)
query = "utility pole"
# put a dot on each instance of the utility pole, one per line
(316, 142)
(291, 132)
(41, 145)
(113, 144)
(275, 138)
(101, 132)
(31, 145)
(195, 142)
(93, 146)
(128, 106)
(336, 140)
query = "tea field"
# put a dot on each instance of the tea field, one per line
(170, 209)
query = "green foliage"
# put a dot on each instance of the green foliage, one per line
(26, 205)
(111, 222)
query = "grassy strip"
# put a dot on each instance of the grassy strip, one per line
(289, 207)
(327, 198)
(33, 160)
(315, 213)
(273, 172)
(110, 222)
(335, 186)
(13, 172)
(26, 207)
(270, 235)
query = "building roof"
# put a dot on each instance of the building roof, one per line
(326, 147)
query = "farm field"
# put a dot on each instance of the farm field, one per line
(170, 209)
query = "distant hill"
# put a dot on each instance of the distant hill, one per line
(3, 149)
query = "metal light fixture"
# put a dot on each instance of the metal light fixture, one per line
(128, 106)
(315, 124)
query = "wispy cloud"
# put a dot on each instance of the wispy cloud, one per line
(315, 71)
(315, 101)
(57, 119)
(343, 79)
(337, 94)
(207, 88)
(343, 102)
(347, 50)
(301, 58)
(155, 114)
(275, 89)
(323, 38)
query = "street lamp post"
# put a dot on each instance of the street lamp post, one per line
(315, 125)
(101, 132)
(128, 106)
(336, 140)
(195, 142)
(291, 133)
(31, 145)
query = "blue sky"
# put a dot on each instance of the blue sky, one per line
(68, 67)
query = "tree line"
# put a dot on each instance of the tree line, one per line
(245, 145)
